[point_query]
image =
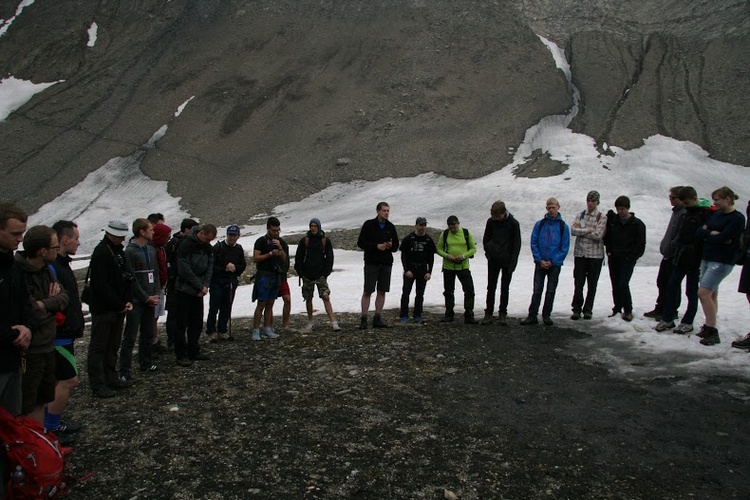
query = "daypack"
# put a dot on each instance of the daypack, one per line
(35, 464)
(445, 240)
(307, 245)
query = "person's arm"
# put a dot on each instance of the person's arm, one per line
(515, 246)
(472, 246)
(241, 264)
(562, 252)
(131, 263)
(600, 229)
(329, 257)
(441, 246)
(534, 243)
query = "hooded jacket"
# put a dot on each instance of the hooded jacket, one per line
(73, 326)
(111, 282)
(371, 235)
(625, 238)
(550, 241)
(312, 260)
(195, 264)
(502, 241)
(144, 265)
(223, 255)
(161, 237)
(38, 281)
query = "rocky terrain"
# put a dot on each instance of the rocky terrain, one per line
(289, 96)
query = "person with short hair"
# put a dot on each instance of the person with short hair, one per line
(379, 240)
(161, 237)
(170, 252)
(456, 246)
(313, 263)
(550, 243)
(589, 229)
(417, 257)
(111, 292)
(229, 264)
(195, 265)
(502, 246)
(15, 317)
(141, 260)
(721, 249)
(69, 328)
(270, 254)
(48, 298)
(625, 243)
(667, 249)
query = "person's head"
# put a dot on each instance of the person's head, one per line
(41, 242)
(162, 232)
(116, 231)
(384, 211)
(592, 200)
(156, 218)
(622, 207)
(233, 234)
(315, 226)
(553, 207)
(206, 233)
(186, 225)
(143, 229)
(723, 199)
(688, 196)
(12, 226)
(67, 236)
(453, 223)
(498, 210)
(273, 228)
(674, 196)
(420, 226)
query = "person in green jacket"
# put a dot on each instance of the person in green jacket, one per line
(456, 247)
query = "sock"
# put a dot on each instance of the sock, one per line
(51, 421)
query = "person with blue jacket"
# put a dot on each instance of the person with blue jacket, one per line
(550, 242)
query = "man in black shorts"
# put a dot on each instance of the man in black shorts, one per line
(379, 240)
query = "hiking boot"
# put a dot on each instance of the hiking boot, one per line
(269, 334)
(586, 315)
(256, 335)
(212, 338)
(663, 326)
(742, 344)
(502, 319)
(470, 320)
(531, 320)
(628, 316)
(64, 439)
(335, 326)
(712, 337)
(404, 319)
(200, 357)
(487, 320)
(103, 392)
(120, 384)
(575, 316)
(225, 336)
(655, 314)
(309, 326)
(446, 319)
(363, 323)
(547, 320)
(377, 322)
(184, 362)
(704, 331)
(419, 320)
(615, 312)
(683, 328)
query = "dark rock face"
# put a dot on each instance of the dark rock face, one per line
(283, 89)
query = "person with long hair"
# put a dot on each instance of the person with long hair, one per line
(721, 235)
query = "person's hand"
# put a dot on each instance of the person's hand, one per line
(230, 268)
(427, 277)
(128, 308)
(54, 289)
(409, 274)
(153, 300)
(24, 336)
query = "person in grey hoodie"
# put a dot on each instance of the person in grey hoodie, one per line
(141, 260)
(195, 265)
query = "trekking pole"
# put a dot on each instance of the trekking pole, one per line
(231, 302)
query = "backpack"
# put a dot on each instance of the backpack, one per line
(307, 245)
(445, 240)
(34, 460)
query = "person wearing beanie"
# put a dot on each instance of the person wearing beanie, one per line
(313, 263)
(456, 246)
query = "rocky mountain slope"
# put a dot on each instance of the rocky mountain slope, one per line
(289, 96)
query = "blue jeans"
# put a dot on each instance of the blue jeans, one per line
(552, 275)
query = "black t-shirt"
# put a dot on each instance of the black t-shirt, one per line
(274, 265)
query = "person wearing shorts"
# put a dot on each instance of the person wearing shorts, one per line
(314, 263)
(270, 253)
(379, 240)
(721, 248)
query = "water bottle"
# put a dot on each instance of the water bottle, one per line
(18, 476)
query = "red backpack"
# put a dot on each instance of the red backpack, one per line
(35, 464)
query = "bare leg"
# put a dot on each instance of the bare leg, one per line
(286, 311)
(308, 304)
(379, 302)
(365, 303)
(63, 388)
(709, 303)
(329, 308)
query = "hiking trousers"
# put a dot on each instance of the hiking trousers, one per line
(586, 271)
(449, 287)
(493, 272)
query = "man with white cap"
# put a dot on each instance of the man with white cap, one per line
(109, 302)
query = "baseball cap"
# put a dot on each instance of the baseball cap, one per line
(233, 229)
(421, 220)
(117, 228)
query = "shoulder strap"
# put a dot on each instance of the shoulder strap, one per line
(445, 241)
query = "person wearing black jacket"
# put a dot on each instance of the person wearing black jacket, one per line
(625, 241)
(313, 262)
(502, 245)
(111, 293)
(379, 240)
(418, 257)
(170, 251)
(66, 369)
(229, 264)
